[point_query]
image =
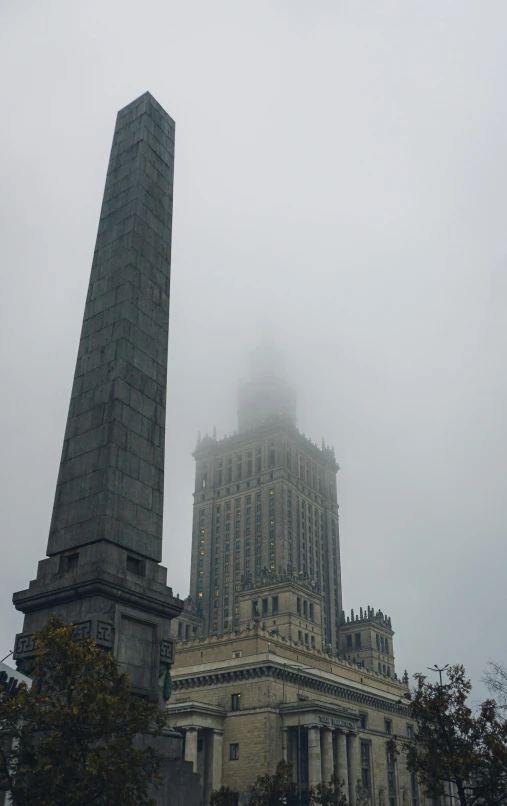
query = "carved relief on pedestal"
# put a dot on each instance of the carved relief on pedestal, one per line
(25, 645)
(167, 652)
(100, 631)
(104, 634)
(82, 630)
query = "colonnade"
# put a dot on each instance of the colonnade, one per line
(330, 751)
(209, 765)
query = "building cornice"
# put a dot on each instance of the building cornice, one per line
(209, 446)
(314, 680)
(194, 707)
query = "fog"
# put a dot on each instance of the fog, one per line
(340, 188)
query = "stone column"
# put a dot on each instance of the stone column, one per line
(216, 773)
(327, 755)
(353, 743)
(292, 751)
(342, 769)
(191, 746)
(314, 764)
(285, 747)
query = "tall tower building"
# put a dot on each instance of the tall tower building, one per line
(264, 503)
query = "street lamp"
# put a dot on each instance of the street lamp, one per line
(436, 669)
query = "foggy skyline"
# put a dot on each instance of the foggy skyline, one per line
(340, 186)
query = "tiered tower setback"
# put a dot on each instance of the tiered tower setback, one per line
(265, 501)
(367, 639)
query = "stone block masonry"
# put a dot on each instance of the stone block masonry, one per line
(102, 572)
(111, 479)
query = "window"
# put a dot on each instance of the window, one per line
(410, 732)
(235, 702)
(357, 639)
(349, 641)
(234, 752)
(274, 605)
(362, 721)
(264, 608)
(365, 765)
(387, 725)
(180, 629)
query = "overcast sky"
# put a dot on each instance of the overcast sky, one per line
(340, 181)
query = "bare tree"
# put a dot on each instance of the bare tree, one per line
(495, 678)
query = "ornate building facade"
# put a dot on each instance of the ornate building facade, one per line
(265, 498)
(267, 665)
(244, 701)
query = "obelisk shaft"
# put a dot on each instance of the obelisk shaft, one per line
(110, 484)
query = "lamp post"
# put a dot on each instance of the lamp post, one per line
(436, 669)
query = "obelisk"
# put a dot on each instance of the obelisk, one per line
(102, 569)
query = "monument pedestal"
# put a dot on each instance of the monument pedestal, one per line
(125, 612)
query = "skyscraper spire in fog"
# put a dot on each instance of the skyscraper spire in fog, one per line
(266, 394)
(265, 499)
